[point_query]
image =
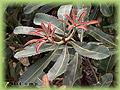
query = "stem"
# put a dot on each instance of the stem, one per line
(81, 36)
(66, 39)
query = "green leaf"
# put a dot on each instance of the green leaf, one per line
(64, 9)
(47, 7)
(31, 7)
(60, 65)
(101, 36)
(73, 71)
(36, 70)
(106, 80)
(41, 17)
(24, 30)
(106, 9)
(31, 50)
(106, 65)
(71, 53)
(93, 51)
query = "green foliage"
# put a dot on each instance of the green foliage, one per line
(60, 66)
(71, 43)
(93, 51)
(101, 36)
(74, 71)
(106, 9)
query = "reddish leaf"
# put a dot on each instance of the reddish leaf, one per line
(32, 41)
(89, 22)
(44, 27)
(37, 33)
(39, 45)
(92, 22)
(73, 15)
(49, 28)
(82, 15)
(83, 27)
(69, 18)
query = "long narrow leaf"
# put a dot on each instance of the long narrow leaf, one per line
(47, 7)
(93, 51)
(72, 70)
(26, 30)
(60, 65)
(31, 7)
(101, 36)
(23, 30)
(31, 50)
(34, 71)
(106, 9)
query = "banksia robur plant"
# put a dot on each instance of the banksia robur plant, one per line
(73, 39)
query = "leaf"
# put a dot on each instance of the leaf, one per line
(93, 51)
(31, 50)
(36, 70)
(64, 9)
(60, 65)
(106, 9)
(30, 8)
(23, 30)
(71, 53)
(106, 80)
(47, 7)
(106, 65)
(101, 36)
(73, 71)
(41, 17)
